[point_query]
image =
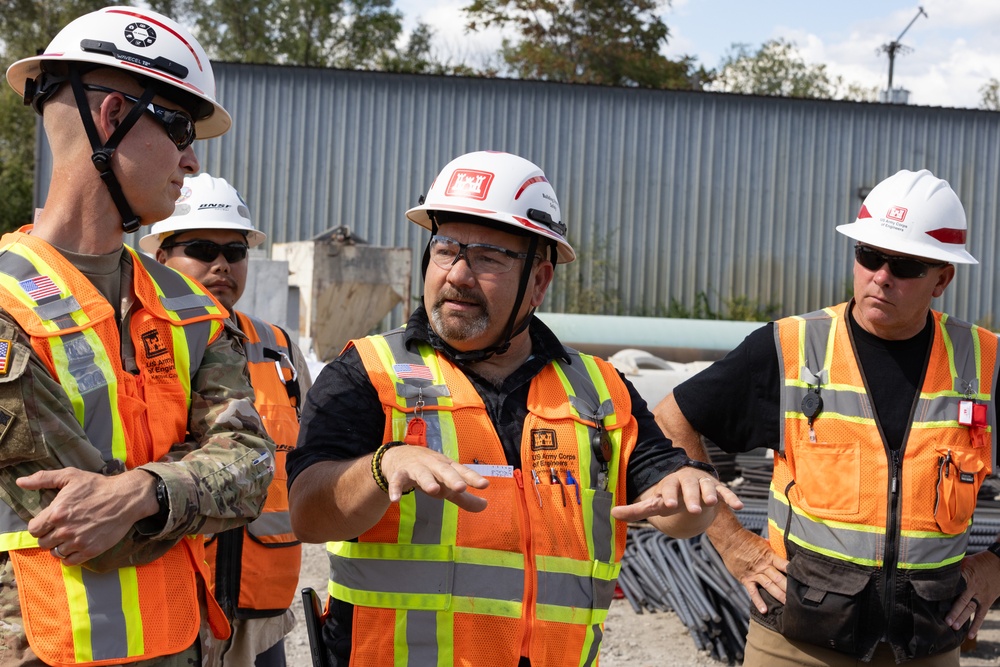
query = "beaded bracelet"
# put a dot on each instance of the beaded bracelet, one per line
(377, 473)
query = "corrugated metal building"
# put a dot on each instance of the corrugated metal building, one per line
(667, 194)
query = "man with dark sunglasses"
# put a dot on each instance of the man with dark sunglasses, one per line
(255, 568)
(127, 425)
(473, 475)
(881, 415)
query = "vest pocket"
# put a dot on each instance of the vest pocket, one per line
(930, 600)
(824, 603)
(827, 477)
(960, 473)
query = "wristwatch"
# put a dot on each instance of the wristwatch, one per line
(994, 549)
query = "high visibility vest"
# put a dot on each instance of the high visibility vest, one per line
(534, 573)
(72, 615)
(836, 492)
(255, 568)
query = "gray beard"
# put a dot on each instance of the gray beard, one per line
(459, 329)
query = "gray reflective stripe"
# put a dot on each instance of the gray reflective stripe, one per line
(835, 402)
(177, 293)
(269, 524)
(488, 581)
(104, 609)
(264, 332)
(394, 341)
(428, 527)
(414, 577)
(18, 267)
(421, 638)
(98, 422)
(565, 590)
(818, 329)
(595, 646)
(585, 392)
(255, 352)
(186, 302)
(964, 351)
(54, 309)
(417, 577)
(863, 545)
(411, 389)
(197, 335)
(604, 592)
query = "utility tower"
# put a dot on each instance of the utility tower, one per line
(892, 48)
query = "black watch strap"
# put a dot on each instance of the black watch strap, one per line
(994, 549)
(701, 465)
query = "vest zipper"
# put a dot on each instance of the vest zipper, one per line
(528, 601)
(228, 553)
(892, 542)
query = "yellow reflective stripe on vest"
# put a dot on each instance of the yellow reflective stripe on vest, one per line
(112, 630)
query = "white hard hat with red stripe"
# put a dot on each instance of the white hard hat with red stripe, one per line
(914, 213)
(139, 41)
(500, 187)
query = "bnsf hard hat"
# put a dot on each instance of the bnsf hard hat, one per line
(138, 41)
(502, 188)
(206, 202)
(915, 213)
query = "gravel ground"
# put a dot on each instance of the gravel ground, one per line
(631, 640)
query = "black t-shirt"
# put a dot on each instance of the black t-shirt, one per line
(343, 419)
(734, 402)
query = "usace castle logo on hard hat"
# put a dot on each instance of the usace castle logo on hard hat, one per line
(470, 184)
(140, 34)
(897, 213)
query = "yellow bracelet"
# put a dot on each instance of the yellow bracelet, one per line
(377, 473)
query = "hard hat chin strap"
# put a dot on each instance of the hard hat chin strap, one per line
(103, 152)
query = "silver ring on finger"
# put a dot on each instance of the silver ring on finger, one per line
(58, 554)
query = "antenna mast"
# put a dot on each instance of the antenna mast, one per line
(894, 46)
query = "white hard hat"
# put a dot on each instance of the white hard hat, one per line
(206, 202)
(139, 41)
(914, 213)
(501, 187)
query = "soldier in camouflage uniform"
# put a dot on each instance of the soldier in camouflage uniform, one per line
(78, 490)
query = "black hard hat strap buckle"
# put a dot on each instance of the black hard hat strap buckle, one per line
(103, 152)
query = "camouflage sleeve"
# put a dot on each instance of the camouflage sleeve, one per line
(218, 478)
(38, 428)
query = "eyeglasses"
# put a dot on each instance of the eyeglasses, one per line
(901, 267)
(178, 125)
(482, 258)
(207, 251)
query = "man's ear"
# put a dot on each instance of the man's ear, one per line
(110, 114)
(161, 255)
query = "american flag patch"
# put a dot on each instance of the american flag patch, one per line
(39, 288)
(405, 371)
(5, 349)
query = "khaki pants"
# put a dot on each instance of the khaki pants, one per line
(767, 648)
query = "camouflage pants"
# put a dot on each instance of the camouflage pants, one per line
(14, 649)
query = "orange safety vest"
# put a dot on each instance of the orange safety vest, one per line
(255, 568)
(838, 495)
(74, 616)
(533, 574)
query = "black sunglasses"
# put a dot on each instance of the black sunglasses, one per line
(901, 267)
(207, 251)
(178, 125)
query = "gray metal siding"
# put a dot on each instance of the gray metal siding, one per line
(675, 193)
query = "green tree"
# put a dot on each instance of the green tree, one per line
(610, 42)
(778, 69)
(989, 95)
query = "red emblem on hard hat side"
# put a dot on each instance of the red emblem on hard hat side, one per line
(897, 213)
(863, 213)
(469, 184)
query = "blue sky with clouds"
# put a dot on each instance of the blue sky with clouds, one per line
(955, 49)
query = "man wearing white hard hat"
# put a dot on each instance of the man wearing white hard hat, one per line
(128, 427)
(255, 568)
(881, 415)
(470, 472)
